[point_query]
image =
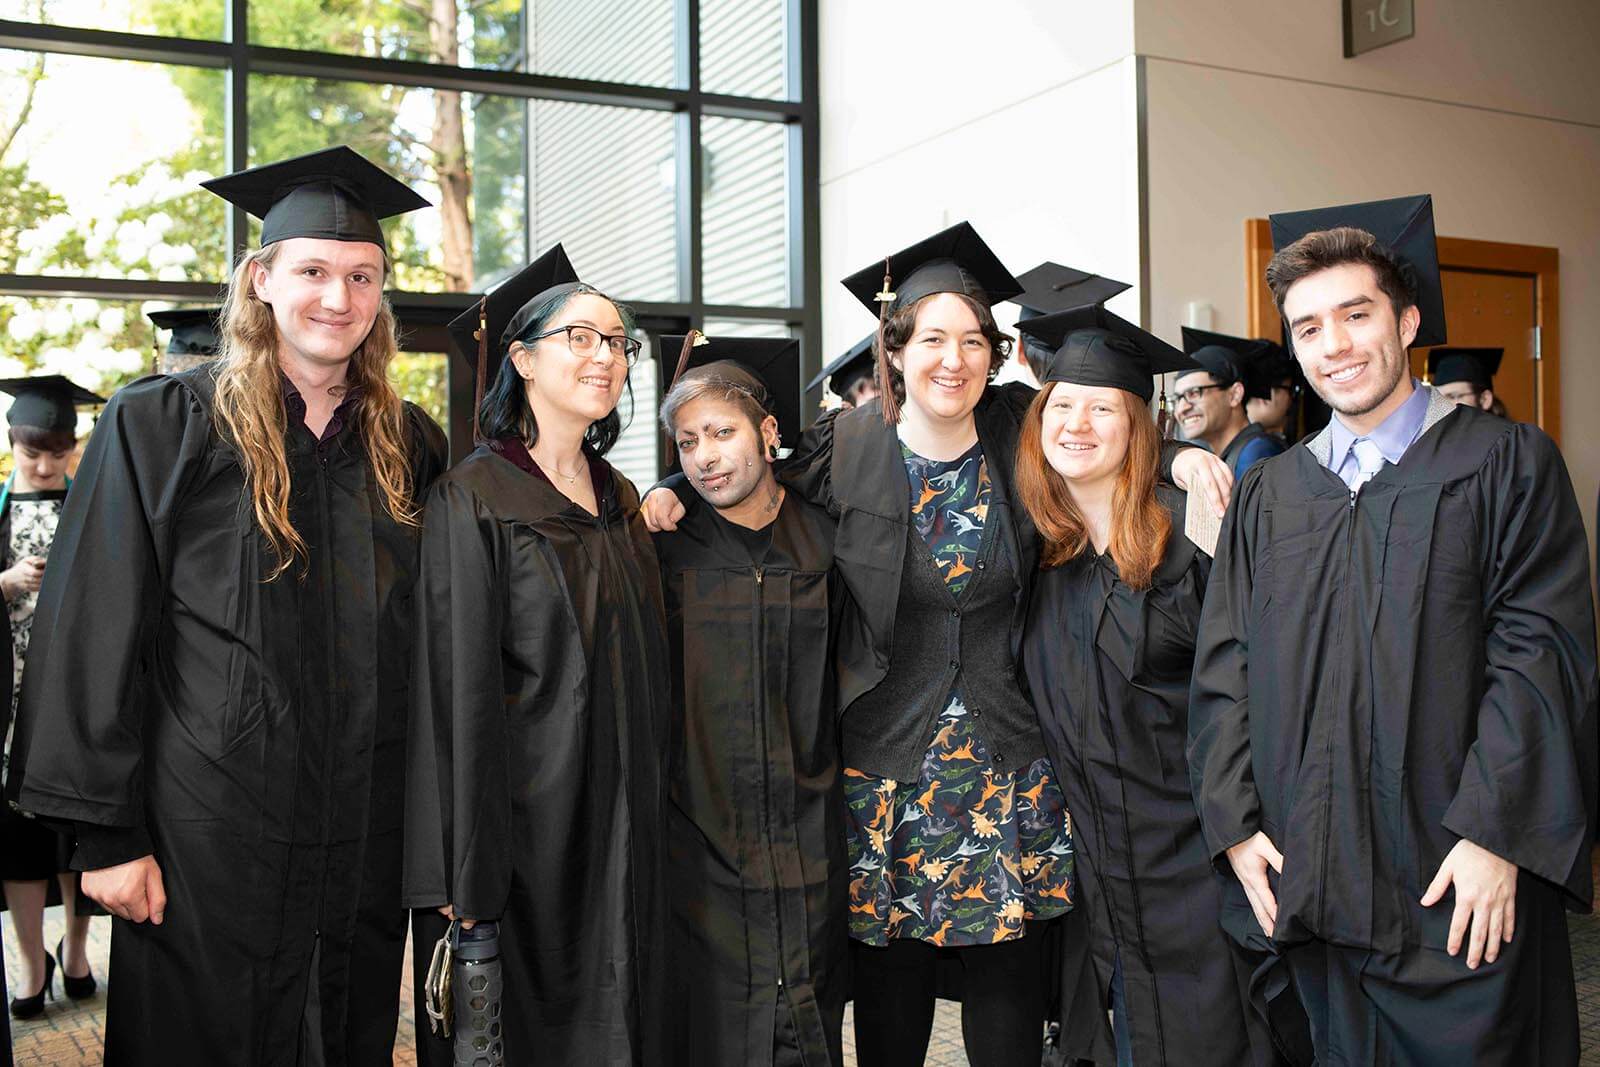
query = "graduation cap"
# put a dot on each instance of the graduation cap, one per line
(1091, 346)
(768, 368)
(195, 331)
(334, 194)
(846, 369)
(1229, 359)
(1448, 364)
(47, 401)
(1405, 225)
(484, 331)
(1052, 287)
(955, 260)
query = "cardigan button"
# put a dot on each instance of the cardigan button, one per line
(999, 758)
(955, 665)
(955, 613)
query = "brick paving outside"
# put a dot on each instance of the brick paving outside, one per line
(70, 1034)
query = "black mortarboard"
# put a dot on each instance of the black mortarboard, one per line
(195, 331)
(1405, 225)
(768, 368)
(1091, 346)
(854, 364)
(334, 194)
(1448, 364)
(506, 311)
(47, 401)
(1230, 359)
(484, 332)
(951, 261)
(1052, 287)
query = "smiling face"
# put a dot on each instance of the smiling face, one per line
(565, 386)
(946, 360)
(1209, 409)
(324, 296)
(1085, 431)
(1350, 343)
(725, 455)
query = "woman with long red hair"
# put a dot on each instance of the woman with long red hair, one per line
(1107, 649)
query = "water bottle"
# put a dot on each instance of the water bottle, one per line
(478, 985)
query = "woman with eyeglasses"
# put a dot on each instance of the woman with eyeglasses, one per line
(539, 710)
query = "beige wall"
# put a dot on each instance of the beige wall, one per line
(1225, 145)
(932, 115)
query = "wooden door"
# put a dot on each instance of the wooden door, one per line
(1491, 309)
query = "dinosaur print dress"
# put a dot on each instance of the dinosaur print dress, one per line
(965, 854)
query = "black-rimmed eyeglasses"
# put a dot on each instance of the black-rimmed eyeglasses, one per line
(584, 342)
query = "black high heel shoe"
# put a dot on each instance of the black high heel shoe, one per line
(33, 1007)
(76, 988)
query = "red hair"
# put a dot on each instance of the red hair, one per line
(1140, 524)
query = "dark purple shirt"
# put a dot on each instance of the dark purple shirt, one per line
(513, 451)
(295, 406)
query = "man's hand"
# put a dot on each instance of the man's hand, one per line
(662, 509)
(1250, 859)
(131, 891)
(1486, 897)
(23, 577)
(1195, 470)
(449, 912)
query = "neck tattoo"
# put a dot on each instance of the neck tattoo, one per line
(772, 501)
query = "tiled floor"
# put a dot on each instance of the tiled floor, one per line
(70, 1033)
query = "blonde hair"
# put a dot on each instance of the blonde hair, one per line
(249, 409)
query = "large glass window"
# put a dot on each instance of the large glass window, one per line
(90, 186)
(464, 152)
(602, 185)
(525, 122)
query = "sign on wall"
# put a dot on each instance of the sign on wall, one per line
(1370, 24)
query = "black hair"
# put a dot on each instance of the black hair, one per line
(505, 411)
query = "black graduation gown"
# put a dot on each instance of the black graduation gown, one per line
(538, 731)
(252, 731)
(1379, 676)
(5, 725)
(757, 875)
(1109, 667)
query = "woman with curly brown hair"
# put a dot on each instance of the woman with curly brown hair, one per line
(216, 692)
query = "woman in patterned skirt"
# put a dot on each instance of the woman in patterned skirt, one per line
(958, 837)
(43, 435)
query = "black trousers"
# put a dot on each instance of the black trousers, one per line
(1424, 1007)
(1003, 996)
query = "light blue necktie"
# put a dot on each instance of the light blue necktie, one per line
(1369, 461)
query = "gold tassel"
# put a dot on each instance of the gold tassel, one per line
(886, 397)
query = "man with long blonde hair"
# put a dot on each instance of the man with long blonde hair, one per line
(218, 683)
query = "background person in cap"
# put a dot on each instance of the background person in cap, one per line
(43, 431)
(957, 832)
(217, 682)
(539, 717)
(850, 376)
(1466, 375)
(1211, 400)
(757, 876)
(1107, 651)
(195, 337)
(1275, 407)
(1408, 743)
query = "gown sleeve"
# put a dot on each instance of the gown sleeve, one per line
(78, 753)
(458, 797)
(1528, 789)
(808, 470)
(1220, 770)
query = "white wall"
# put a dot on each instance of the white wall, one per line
(1225, 145)
(1020, 120)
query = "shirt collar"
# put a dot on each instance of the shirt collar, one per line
(1392, 436)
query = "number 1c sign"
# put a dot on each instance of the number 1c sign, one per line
(1370, 24)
